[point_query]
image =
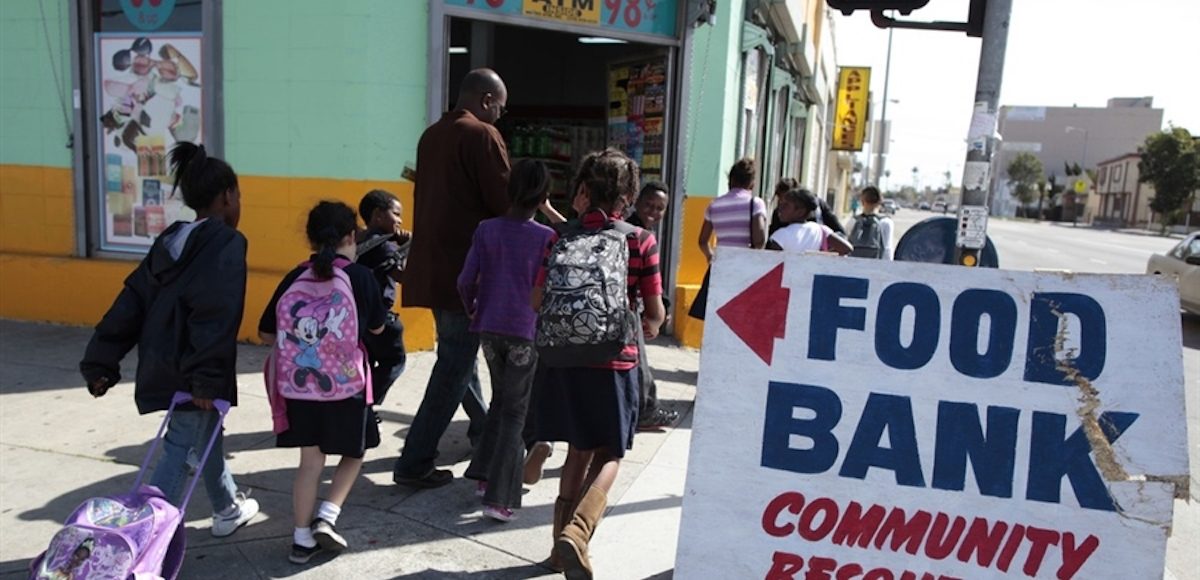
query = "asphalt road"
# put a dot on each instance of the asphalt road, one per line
(1024, 245)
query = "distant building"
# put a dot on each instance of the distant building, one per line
(1123, 200)
(1062, 136)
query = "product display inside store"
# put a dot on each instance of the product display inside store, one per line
(572, 95)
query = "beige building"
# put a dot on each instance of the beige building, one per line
(1121, 199)
(1069, 135)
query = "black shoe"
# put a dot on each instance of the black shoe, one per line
(435, 478)
(658, 419)
(301, 555)
(327, 536)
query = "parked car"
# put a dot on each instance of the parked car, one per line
(890, 206)
(924, 205)
(1183, 264)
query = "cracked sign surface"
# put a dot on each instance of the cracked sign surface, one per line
(867, 419)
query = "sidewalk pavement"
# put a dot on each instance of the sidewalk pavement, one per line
(59, 446)
(1154, 232)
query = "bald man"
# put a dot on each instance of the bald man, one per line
(462, 179)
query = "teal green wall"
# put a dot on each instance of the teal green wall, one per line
(32, 128)
(315, 88)
(712, 114)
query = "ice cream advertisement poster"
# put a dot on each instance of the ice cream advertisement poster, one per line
(149, 98)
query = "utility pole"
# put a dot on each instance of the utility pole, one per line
(883, 132)
(973, 212)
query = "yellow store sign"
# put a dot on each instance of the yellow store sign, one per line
(572, 11)
(850, 123)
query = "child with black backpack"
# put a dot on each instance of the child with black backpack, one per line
(495, 285)
(182, 307)
(318, 377)
(871, 234)
(588, 394)
(383, 247)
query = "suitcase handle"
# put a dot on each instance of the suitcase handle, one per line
(222, 406)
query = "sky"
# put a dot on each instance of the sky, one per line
(1060, 53)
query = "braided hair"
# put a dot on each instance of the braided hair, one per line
(611, 178)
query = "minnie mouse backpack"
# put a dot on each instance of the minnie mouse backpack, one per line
(318, 356)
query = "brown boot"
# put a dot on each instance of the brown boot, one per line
(563, 510)
(572, 545)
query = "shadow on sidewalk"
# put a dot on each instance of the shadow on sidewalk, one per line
(45, 357)
(675, 375)
(526, 571)
(409, 523)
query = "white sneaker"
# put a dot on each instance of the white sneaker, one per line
(226, 525)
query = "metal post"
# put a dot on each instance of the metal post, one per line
(972, 213)
(866, 180)
(883, 132)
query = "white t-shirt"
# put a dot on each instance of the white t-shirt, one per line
(802, 237)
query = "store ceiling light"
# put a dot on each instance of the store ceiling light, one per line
(599, 40)
(457, 50)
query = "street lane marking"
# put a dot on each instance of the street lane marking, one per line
(1098, 261)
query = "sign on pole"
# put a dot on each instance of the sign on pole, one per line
(972, 227)
(888, 420)
(850, 112)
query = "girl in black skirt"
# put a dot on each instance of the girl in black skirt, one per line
(594, 409)
(345, 426)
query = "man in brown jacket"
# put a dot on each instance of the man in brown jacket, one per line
(462, 179)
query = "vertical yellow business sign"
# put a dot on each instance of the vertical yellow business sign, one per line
(850, 123)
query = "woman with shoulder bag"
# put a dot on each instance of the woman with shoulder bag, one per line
(738, 218)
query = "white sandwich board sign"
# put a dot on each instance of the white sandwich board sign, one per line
(886, 421)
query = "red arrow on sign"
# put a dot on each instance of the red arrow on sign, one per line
(758, 315)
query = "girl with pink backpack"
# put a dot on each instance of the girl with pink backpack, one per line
(318, 376)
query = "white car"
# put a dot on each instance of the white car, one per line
(1183, 264)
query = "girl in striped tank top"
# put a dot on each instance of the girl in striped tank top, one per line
(738, 217)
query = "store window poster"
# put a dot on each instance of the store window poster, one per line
(150, 98)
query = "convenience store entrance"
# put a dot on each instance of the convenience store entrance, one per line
(572, 91)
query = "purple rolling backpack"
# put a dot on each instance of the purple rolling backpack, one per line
(137, 535)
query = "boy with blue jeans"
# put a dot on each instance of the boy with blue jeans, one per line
(182, 307)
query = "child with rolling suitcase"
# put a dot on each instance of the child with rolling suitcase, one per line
(182, 307)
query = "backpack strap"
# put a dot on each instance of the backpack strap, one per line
(370, 244)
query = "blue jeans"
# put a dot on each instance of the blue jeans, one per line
(188, 430)
(454, 380)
